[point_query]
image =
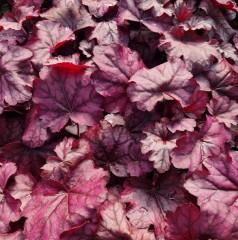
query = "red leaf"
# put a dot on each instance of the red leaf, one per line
(183, 223)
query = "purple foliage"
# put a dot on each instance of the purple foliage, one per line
(119, 120)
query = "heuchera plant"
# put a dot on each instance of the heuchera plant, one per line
(119, 120)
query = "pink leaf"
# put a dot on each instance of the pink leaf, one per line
(193, 49)
(108, 33)
(16, 74)
(45, 37)
(22, 188)
(221, 26)
(69, 14)
(193, 148)
(219, 221)
(114, 224)
(222, 77)
(167, 81)
(68, 205)
(69, 153)
(99, 8)
(159, 142)
(225, 110)
(219, 183)
(63, 94)
(18, 235)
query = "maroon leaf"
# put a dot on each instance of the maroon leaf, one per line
(167, 81)
(27, 159)
(183, 223)
(68, 205)
(195, 147)
(11, 129)
(219, 183)
(16, 74)
(111, 147)
(64, 94)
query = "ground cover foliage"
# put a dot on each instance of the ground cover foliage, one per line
(118, 120)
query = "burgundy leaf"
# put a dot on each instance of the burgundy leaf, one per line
(183, 223)
(167, 81)
(69, 14)
(11, 129)
(219, 183)
(114, 224)
(85, 231)
(159, 142)
(197, 104)
(45, 37)
(195, 147)
(27, 159)
(68, 205)
(16, 74)
(111, 147)
(35, 133)
(64, 94)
